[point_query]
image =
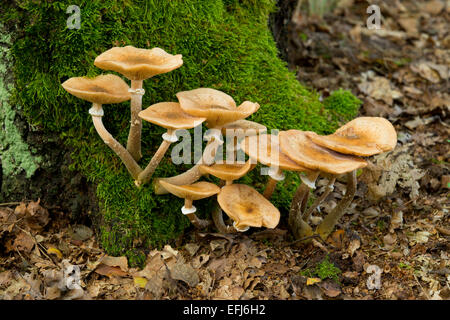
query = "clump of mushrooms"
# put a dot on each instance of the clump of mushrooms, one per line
(137, 65)
(219, 109)
(307, 153)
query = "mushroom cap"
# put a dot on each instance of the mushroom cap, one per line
(195, 191)
(265, 149)
(243, 128)
(247, 207)
(169, 115)
(217, 107)
(302, 150)
(364, 136)
(227, 171)
(103, 89)
(138, 64)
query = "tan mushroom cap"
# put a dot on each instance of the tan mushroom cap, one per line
(216, 106)
(248, 127)
(227, 172)
(195, 191)
(138, 64)
(169, 115)
(302, 150)
(265, 149)
(364, 136)
(103, 89)
(247, 207)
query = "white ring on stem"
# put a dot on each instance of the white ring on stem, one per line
(240, 230)
(275, 175)
(309, 183)
(139, 92)
(170, 137)
(96, 112)
(186, 211)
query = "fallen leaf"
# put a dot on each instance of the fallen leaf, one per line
(109, 271)
(80, 232)
(330, 288)
(120, 262)
(184, 272)
(353, 246)
(311, 281)
(433, 7)
(53, 250)
(37, 217)
(380, 88)
(140, 282)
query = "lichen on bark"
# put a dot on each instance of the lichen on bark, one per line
(15, 153)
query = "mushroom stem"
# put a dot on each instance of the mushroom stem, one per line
(124, 155)
(217, 216)
(270, 188)
(198, 223)
(147, 173)
(275, 175)
(300, 198)
(319, 200)
(310, 181)
(327, 225)
(134, 136)
(193, 174)
(301, 229)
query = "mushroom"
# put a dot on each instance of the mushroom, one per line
(238, 130)
(137, 65)
(219, 109)
(246, 207)
(104, 89)
(266, 150)
(168, 115)
(304, 152)
(227, 172)
(364, 136)
(190, 193)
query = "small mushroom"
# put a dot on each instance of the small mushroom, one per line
(217, 107)
(190, 193)
(247, 208)
(137, 65)
(364, 136)
(227, 172)
(168, 115)
(265, 149)
(297, 145)
(104, 89)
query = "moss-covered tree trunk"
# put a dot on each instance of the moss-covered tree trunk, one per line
(49, 148)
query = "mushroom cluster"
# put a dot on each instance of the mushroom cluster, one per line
(307, 153)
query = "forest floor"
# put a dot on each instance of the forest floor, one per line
(394, 242)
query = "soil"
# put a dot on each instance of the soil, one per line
(394, 241)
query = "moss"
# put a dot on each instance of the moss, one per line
(15, 154)
(342, 104)
(226, 44)
(323, 270)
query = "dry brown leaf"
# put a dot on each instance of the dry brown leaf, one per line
(120, 262)
(109, 271)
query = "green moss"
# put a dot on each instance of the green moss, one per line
(226, 44)
(343, 105)
(323, 270)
